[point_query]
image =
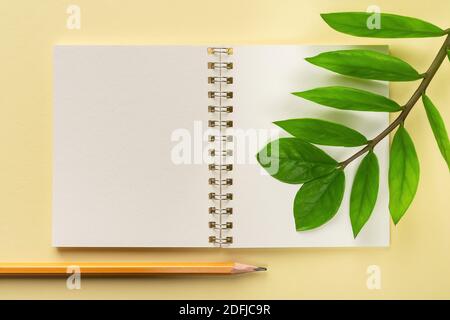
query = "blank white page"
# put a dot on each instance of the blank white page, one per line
(115, 111)
(264, 77)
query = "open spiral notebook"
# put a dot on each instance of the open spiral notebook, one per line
(154, 146)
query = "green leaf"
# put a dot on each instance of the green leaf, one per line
(318, 201)
(349, 99)
(364, 192)
(448, 54)
(438, 127)
(366, 64)
(295, 161)
(404, 174)
(390, 25)
(322, 132)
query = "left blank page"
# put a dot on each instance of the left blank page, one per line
(116, 109)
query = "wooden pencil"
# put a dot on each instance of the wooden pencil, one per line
(124, 268)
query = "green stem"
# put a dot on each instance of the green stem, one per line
(442, 53)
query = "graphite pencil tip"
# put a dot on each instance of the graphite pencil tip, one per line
(260, 269)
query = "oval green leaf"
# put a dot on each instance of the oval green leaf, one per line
(295, 161)
(404, 174)
(349, 99)
(438, 127)
(366, 64)
(364, 192)
(364, 24)
(322, 132)
(318, 201)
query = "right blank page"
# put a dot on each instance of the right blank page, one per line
(264, 77)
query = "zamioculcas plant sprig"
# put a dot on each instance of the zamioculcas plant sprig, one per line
(322, 177)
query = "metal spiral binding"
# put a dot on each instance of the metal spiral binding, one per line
(222, 167)
(223, 153)
(212, 138)
(220, 241)
(227, 80)
(228, 51)
(220, 226)
(220, 65)
(220, 94)
(220, 182)
(220, 123)
(219, 111)
(214, 210)
(220, 196)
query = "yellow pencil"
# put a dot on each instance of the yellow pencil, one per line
(124, 268)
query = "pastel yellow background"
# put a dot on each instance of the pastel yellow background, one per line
(417, 265)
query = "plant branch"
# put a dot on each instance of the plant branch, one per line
(441, 55)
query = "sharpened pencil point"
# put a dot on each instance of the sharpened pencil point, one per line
(260, 269)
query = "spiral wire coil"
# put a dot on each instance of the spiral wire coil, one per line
(219, 151)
